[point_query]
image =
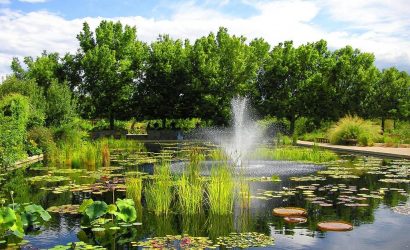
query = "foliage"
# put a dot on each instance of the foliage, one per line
(33, 92)
(43, 137)
(134, 188)
(220, 190)
(112, 59)
(290, 153)
(60, 107)
(123, 210)
(18, 218)
(159, 194)
(14, 113)
(353, 128)
(190, 195)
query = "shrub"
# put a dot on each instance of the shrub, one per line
(43, 137)
(353, 128)
(14, 113)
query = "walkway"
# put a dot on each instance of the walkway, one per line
(376, 151)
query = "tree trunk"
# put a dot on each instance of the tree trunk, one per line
(111, 121)
(292, 124)
(164, 123)
(383, 125)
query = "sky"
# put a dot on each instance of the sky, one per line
(382, 27)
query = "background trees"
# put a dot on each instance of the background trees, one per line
(113, 75)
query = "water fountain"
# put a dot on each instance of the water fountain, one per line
(240, 140)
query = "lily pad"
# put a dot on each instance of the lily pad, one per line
(337, 226)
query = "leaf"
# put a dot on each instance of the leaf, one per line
(86, 203)
(95, 210)
(127, 212)
(33, 209)
(111, 209)
(7, 217)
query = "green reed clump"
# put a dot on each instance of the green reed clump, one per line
(159, 194)
(126, 145)
(220, 190)
(290, 153)
(190, 195)
(218, 155)
(134, 188)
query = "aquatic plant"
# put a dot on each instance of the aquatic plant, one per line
(134, 188)
(190, 195)
(158, 193)
(94, 211)
(290, 153)
(16, 218)
(220, 190)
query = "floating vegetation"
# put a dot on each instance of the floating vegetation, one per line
(295, 219)
(64, 209)
(335, 226)
(48, 178)
(289, 211)
(245, 240)
(308, 178)
(76, 245)
(176, 242)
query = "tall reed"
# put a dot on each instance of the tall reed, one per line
(220, 190)
(134, 188)
(190, 195)
(290, 153)
(159, 194)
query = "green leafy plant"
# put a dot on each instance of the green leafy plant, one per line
(353, 128)
(220, 190)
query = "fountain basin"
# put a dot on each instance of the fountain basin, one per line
(257, 168)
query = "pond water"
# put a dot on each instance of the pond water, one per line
(363, 191)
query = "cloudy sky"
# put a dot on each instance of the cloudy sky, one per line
(380, 26)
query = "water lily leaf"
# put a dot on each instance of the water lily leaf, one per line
(86, 203)
(111, 209)
(95, 210)
(7, 217)
(36, 209)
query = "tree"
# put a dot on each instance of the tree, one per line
(389, 94)
(111, 63)
(294, 81)
(353, 76)
(60, 107)
(167, 80)
(34, 93)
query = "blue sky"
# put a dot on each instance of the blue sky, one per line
(383, 27)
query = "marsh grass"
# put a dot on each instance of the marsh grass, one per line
(354, 128)
(190, 195)
(159, 193)
(88, 154)
(134, 188)
(126, 145)
(290, 153)
(221, 190)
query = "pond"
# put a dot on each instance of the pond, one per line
(371, 194)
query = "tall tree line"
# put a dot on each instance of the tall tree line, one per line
(114, 75)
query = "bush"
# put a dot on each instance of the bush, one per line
(353, 128)
(14, 113)
(43, 137)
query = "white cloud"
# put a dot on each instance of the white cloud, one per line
(384, 27)
(4, 1)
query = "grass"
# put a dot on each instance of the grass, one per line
(354, 128)
(220, 190)
(134, 188)
(159, 194)
(190, 195)
(290, 153)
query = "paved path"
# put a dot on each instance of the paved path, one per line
(377, 151)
